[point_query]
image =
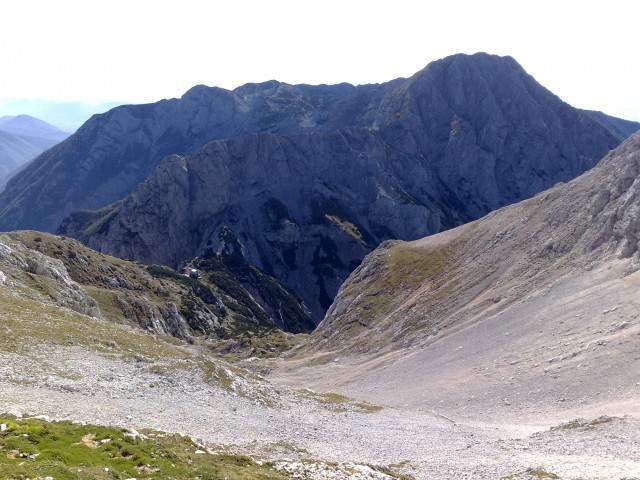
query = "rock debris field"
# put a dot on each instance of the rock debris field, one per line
(306, 434)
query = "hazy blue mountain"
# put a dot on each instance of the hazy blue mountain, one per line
(23, 138)
(28, 126)
(68, 116)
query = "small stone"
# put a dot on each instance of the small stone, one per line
(3, 427)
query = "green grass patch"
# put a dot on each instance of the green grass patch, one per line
(403, 269)
(33, 448)
(531, 474)
(340, 402)
(412, 266)
(33, 323)
(349, 228)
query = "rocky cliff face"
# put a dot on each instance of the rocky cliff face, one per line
(29, 273)
(113, 152)
(480, 121)
(306, 209)
(422, 291)
(467, 135)
(532, 309)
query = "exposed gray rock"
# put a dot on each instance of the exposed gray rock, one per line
(49, 275)
(113, 152)
(484, 268)
(467, 135)
(292, 201)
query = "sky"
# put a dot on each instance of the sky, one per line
(139, 51)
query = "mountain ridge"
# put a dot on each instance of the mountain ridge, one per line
(22, 139)
(314, 177)
(28, 126)
(115, 151)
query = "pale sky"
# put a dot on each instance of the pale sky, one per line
(138, 51)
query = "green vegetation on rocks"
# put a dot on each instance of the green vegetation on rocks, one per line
(406, 267)
(230, 298)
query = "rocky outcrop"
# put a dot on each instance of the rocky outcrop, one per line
(155, 298)
(492, 134)
(39, 275)
(615, 204)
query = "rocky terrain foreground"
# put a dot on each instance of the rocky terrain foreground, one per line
(529, 317)
(115, 375)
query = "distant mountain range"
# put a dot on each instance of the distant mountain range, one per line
(309, 179)
(68, 116)
(23, 138)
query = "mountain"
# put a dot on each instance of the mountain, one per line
(68, 116)
(28, 126)
(535, 304)
(23, 138)
(465, 136)
(115, 151)
(504, 348)
(488, 104)
(621, 128)
(16, 151)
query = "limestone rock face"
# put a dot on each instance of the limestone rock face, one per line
(306, 208)
(220, 296)
(113, 152)
(490, 134)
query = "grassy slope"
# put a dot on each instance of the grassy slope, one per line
(34, 448)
